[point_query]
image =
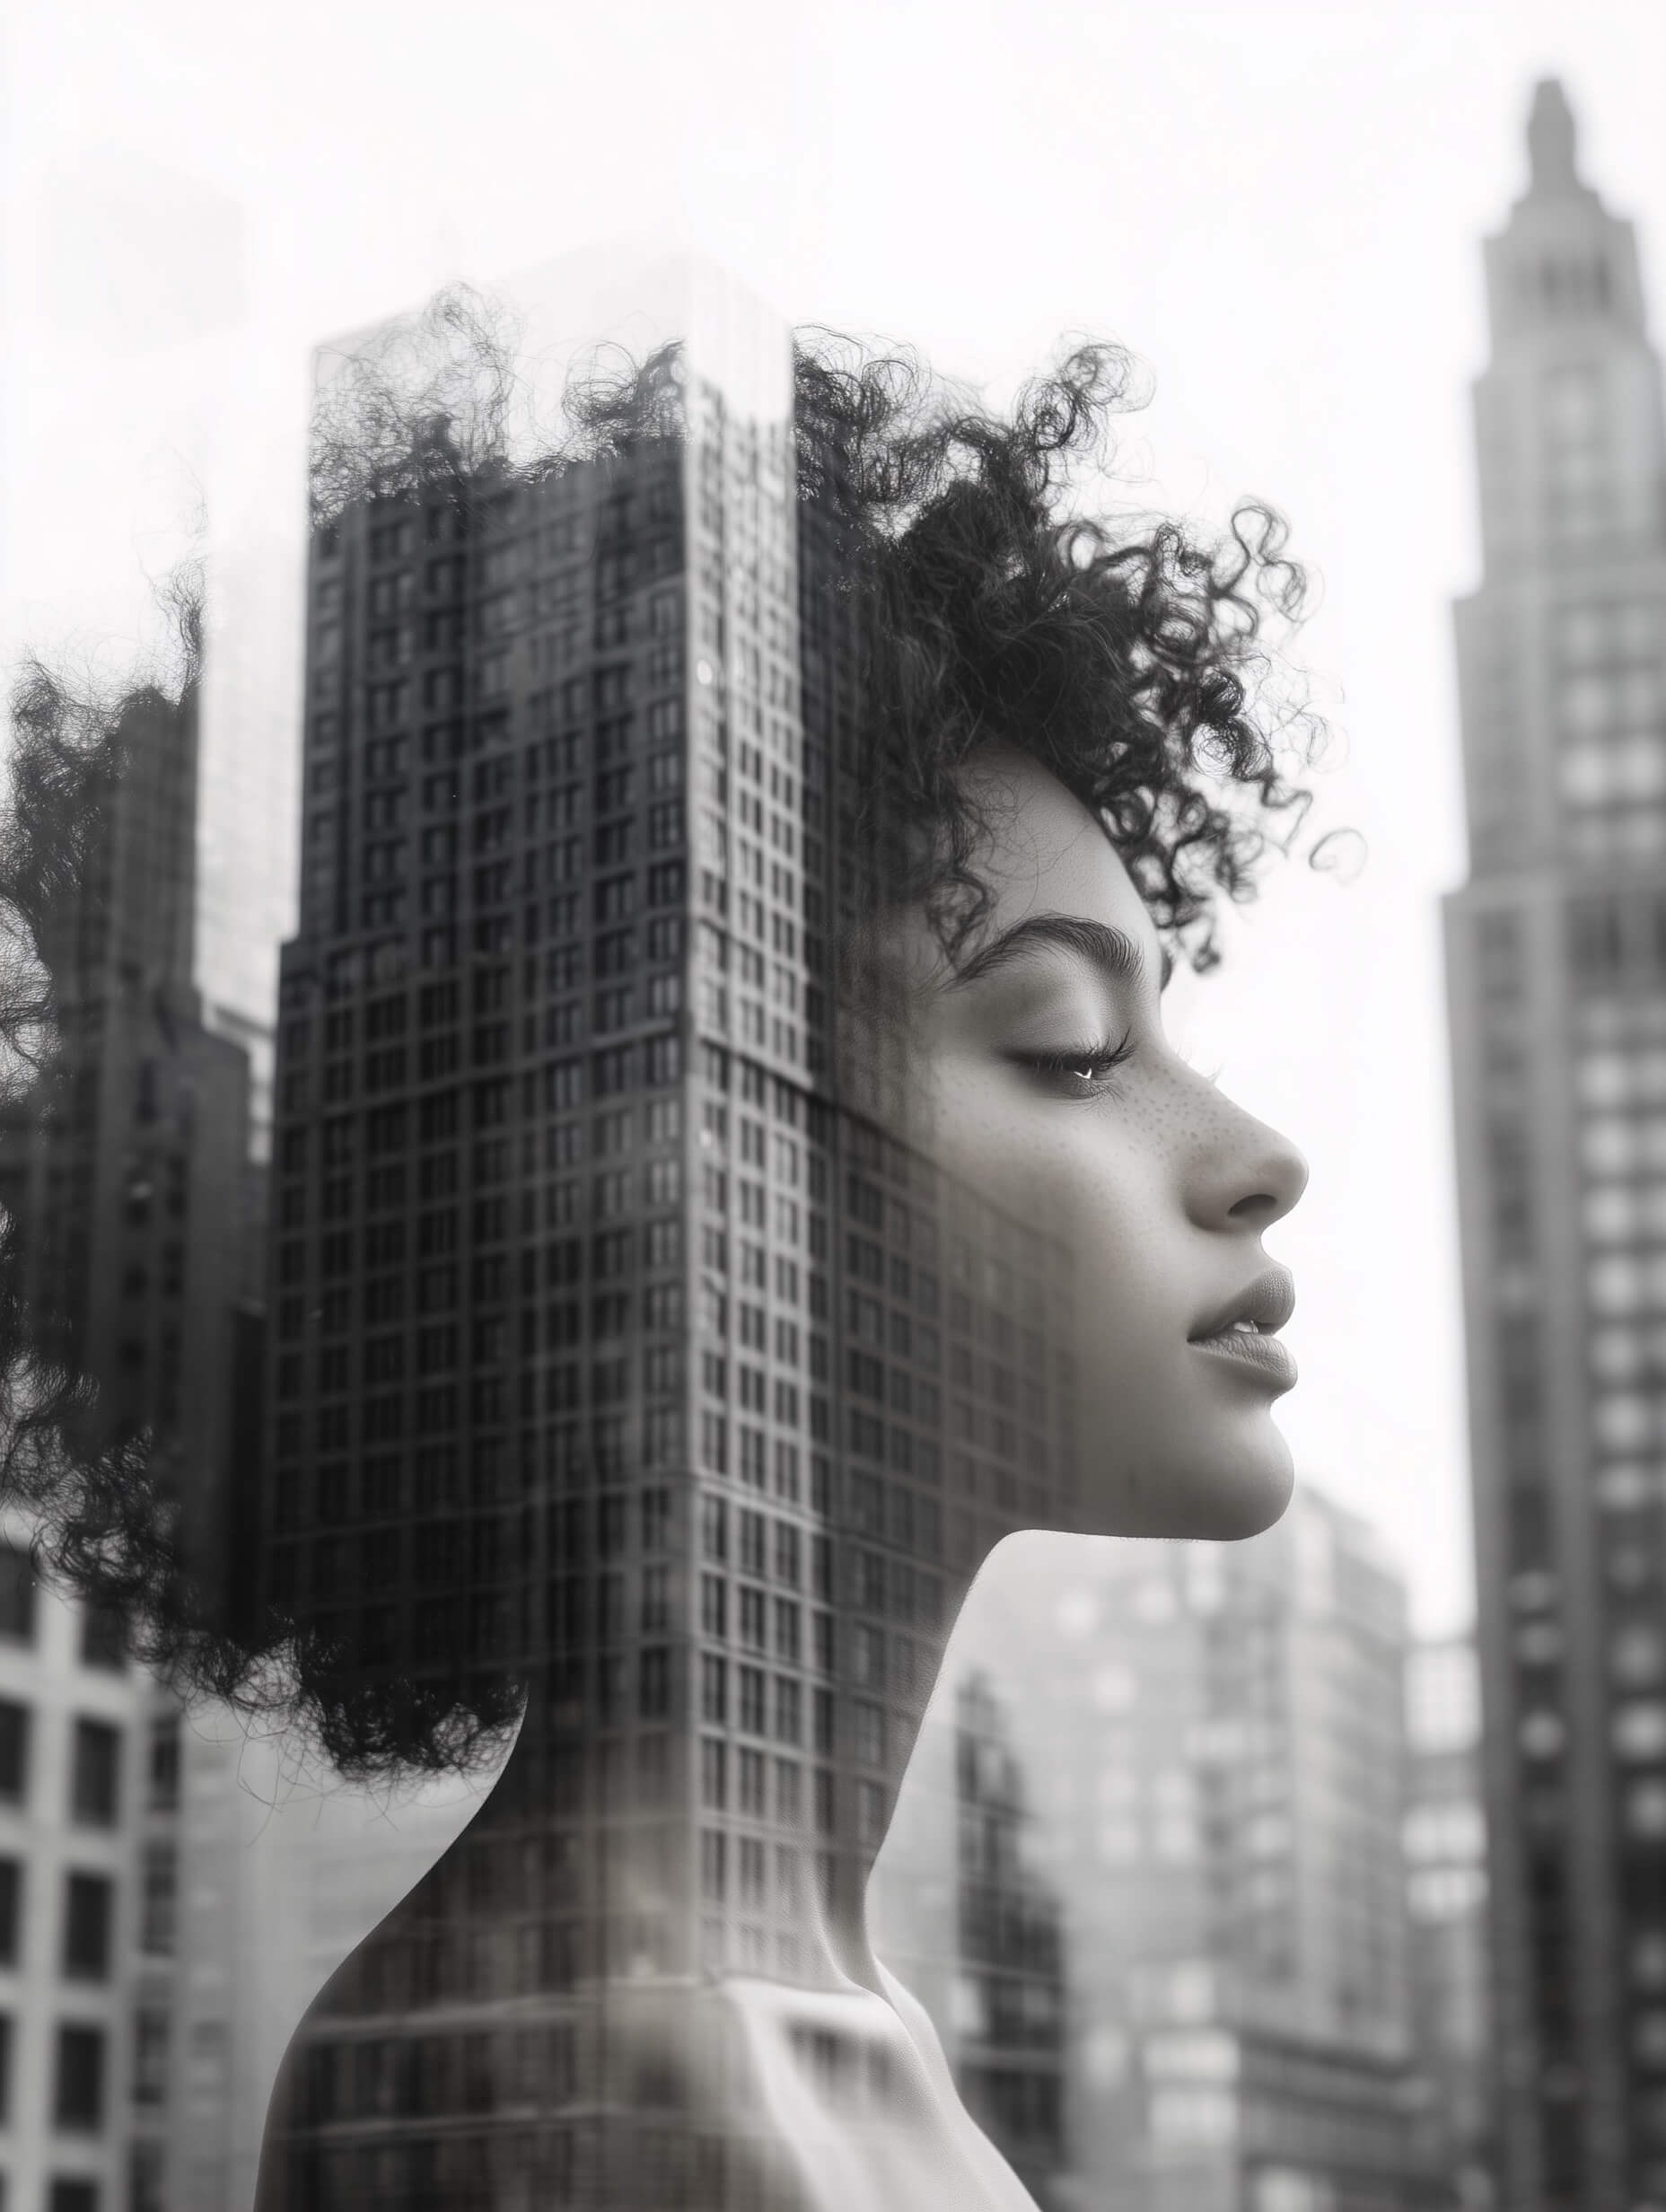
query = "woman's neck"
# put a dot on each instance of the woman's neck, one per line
(690, 1931)
(586, 1790)
(836, 1947)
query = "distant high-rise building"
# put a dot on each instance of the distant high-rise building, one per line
(1212, 1741)
(1445, 1838)
(124, 1161)
(965, 1913)
(123, 1169)
(1556, 958)
(249, 775)
(614, 1338)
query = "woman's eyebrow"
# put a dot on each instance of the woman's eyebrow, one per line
(1110, 950)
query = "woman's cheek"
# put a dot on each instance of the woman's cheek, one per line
(1058, 1166)
(974, 1122)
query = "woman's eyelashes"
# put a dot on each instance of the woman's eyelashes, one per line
(1080, 1071)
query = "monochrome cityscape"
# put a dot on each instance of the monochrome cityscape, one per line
(516, 1300)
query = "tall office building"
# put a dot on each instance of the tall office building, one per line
(124, 1163)
(1212, 1741)
(249, 779)
(616, 1347)
(1556, 957)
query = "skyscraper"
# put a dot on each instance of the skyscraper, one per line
(125, 1160)
(1556, 955)
(614, 1345)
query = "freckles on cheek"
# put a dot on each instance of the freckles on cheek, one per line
(1095, 1172)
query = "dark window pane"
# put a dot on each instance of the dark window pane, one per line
(10, 1907)
(103, 1636)
(156, 1928)
(145, 2179)
(13, 1752)
(95, 1782)
(164, 1777)
(150, 2056)
(17, 1594)
(72, 2196)
(88, 1907)
(78, 2097)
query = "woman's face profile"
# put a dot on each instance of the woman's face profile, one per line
(1049, 1089)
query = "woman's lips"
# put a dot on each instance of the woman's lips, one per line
(1263, 1355)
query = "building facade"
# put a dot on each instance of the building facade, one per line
(124, 1163)
(964, 1911)
(134, 1222)
(1445, 1836)
(83, 1784)
(1213, 1744)
(1558, 995)
(619, 1348)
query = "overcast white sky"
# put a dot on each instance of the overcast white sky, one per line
(1279, 207)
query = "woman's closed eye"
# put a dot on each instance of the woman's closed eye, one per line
(1079, 1071)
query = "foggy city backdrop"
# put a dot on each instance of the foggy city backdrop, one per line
(1279, 210)
(1188, 1868)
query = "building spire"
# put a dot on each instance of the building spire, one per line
(1551, 148)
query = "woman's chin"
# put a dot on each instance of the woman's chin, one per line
(1252, 1500)
(1221, 1495)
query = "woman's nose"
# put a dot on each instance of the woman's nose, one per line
(1248, 1177)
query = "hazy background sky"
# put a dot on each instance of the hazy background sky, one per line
(1278, 208)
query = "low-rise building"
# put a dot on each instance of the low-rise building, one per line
(81, 1902)
(965, 1914)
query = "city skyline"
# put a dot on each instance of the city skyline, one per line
(216, 411)
(1602, 807)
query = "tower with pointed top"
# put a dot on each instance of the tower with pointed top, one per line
(1557, 960)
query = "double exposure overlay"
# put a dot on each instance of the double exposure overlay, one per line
(677, 1229)
(631, 1352)
(649, 1558)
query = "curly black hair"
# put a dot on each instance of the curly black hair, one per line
(1131, 664)
(964, 582)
